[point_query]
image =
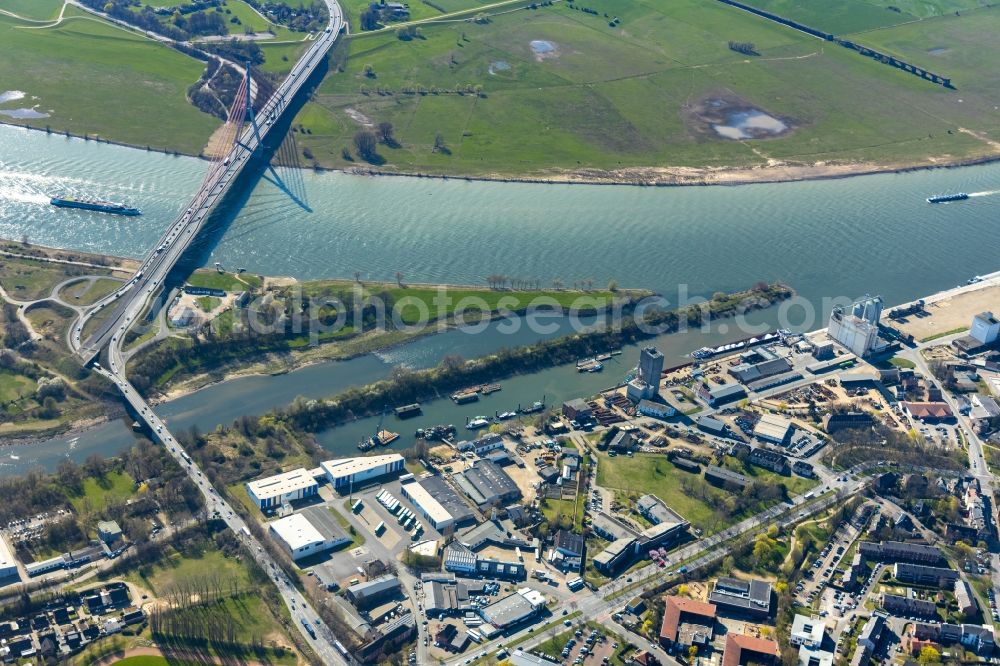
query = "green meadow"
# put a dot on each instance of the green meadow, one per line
(97, 79)
(631, 95)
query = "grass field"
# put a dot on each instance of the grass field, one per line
(572, 509)
(94, 78)
(38, 10)
(796, 485)
(418, 9)
(279, 58)
(89, 292)
(840, 17)
(13, 387)
(610, 98)
(212, 279)
(441, 303)
(97, 493)
(654, 474)
(51, 320)
(28, 279)
(178, 570)
(250, 19)
(649, 473)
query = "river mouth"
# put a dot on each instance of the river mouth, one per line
(734, 119)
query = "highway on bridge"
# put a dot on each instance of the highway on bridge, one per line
(130, 302)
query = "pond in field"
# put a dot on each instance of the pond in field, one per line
(499, 66)
(543, 49)
(27, 114)
(749, 124)
(11, 96)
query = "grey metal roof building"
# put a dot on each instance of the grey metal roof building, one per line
(656, 510)
(445, 598)
(725, 477)
(509, 611)
(751, 597)
(482, 534)
(711, 425)
(449, 499)
(367, 592)
(487, 484)
(611, 529)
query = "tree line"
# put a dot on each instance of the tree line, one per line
(405, 386)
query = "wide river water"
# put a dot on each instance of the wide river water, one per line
(832, 238)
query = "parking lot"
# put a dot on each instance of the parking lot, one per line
(823, 569)
(588, 646)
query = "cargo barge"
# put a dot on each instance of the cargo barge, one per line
(94, 204)
(408, 411)
(944, 198)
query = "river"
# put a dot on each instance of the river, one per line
(832, 238)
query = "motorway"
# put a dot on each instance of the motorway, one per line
(138, 292)
(148, 280)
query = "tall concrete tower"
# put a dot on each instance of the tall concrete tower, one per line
(651, 367)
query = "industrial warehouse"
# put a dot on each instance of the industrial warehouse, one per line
(311, 531)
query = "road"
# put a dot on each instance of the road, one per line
(148, 280)
(136, 295)
(298, 606)
(978, 466)
(601, 605)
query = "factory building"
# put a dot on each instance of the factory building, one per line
(369, 593)
(487, 485)
(646, 383)
(721, 394)
(985, 328)
(308, 532)
(773, 428)
(428, 507)
(656, 410)
(273, 491)
(514, 609)
(8, 565)
(856, 327)
(345, 472)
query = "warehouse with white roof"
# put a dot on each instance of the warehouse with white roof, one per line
(312, 530)
(272, 491)
(8, 565)
(428, 506)
(345, 472)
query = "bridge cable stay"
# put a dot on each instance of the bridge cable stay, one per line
(285, 172)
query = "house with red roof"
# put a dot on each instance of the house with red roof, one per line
(687, 622)
(743, 650)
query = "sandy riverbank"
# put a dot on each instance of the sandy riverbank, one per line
(775, 171)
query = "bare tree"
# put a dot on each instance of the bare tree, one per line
(385, 134)
(365, 143)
